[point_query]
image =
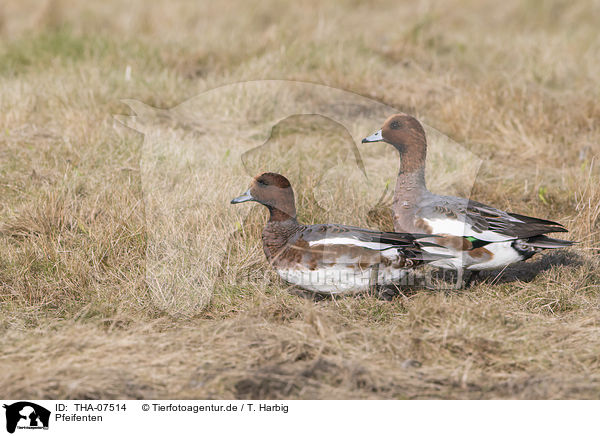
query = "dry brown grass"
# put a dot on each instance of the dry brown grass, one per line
(514, 82)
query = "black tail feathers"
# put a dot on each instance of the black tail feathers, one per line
(544, 242)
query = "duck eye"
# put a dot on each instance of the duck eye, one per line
(395, 125)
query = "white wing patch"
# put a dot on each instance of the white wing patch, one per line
(350, 241)
(459, 228)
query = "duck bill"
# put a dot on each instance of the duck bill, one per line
(375, 137)
(246, 196)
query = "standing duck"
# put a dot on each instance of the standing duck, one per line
(481, 236)
(329, 258)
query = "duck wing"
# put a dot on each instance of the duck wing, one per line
(462, 217)
(338, 236)
(373, 239)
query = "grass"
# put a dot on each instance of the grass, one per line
(85, 203)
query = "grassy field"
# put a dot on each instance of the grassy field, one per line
(85, 201)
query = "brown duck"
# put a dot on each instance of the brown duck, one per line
(481, 236)
(330, 258)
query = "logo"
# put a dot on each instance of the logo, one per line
(26, 415)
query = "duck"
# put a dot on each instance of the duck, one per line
(481, 236)
(330, 258)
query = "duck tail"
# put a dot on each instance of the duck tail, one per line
(544, 242)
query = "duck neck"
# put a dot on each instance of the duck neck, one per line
(411, 181)
(411, 176)
(278, 231)
(410, 187)
(279, 215)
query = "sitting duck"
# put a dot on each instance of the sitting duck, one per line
(481, 237)
(330, 258)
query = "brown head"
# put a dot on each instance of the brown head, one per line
(406, 134)
(273, 191)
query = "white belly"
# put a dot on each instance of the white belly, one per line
(503, 254)
(342, 280)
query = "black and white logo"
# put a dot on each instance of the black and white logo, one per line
(26, 415)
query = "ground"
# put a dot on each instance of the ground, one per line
(515, 83)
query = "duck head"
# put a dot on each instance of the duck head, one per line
(406, 134)
(273, 191)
